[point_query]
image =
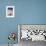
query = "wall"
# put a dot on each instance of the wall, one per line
(31, 11)
(27, 12)
(7, 25)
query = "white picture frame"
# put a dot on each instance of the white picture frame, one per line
(10, 11)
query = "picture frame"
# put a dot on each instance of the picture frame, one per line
(10, 11)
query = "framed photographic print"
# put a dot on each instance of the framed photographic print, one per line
(10, 11)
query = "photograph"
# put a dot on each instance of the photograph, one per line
(10, 11)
